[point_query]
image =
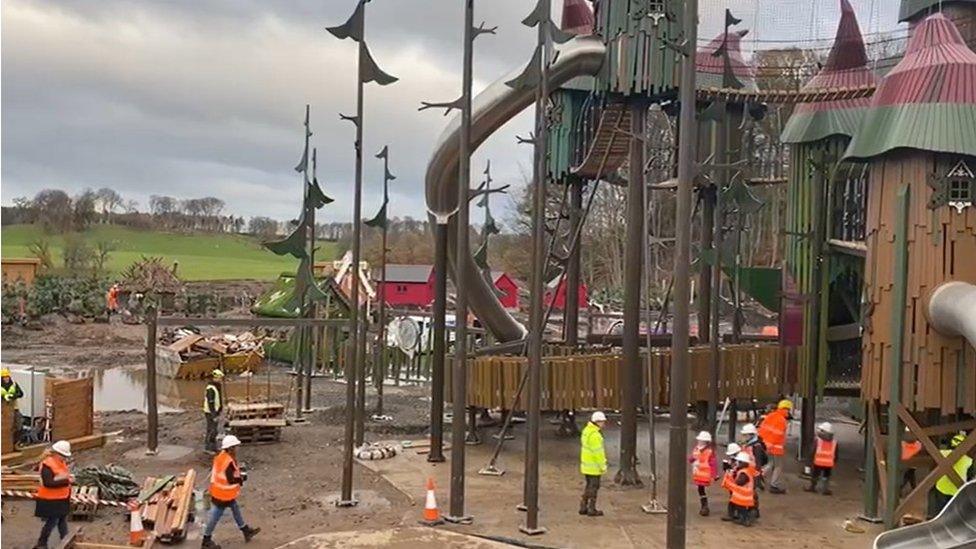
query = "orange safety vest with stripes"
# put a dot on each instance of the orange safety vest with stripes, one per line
(752, 469)
(702, 468)
(826, 454)
(773, 432)
(221, 488)
(59, 468)
(745, 495)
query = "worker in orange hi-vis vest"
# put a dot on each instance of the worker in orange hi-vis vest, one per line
(226, 479)
(742, 491)
(910, 447)
(704, 467)
(772, 430)
(53, 498)
(824, 459)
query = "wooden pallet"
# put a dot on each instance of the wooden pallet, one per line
(257, 429)
(86, 510)
(253, 410)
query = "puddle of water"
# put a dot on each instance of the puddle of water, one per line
(125, 389)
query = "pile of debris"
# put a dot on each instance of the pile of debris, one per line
(151, 275)
(185, 353)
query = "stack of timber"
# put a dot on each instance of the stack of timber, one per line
(255, 422)
(16, 480)
(186, 354)
(574, 382)
(167, 505)
(33, 453)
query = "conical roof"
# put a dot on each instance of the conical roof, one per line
(711, 67)
(577, 17)
(928, 101)
(846, 67)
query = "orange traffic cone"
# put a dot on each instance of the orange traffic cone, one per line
(137, 534)
(432, 517)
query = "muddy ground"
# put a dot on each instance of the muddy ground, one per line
(290, 482)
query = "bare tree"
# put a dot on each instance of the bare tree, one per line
(54, 210)
(109, 201)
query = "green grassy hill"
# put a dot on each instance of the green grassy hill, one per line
(201, 256)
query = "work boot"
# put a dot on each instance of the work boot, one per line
(729, 514)
(249, 532)
(208, 543)
(591, 510)
(584, 503)
(704, 509)
(746, 518)
(776, 490)
(825, 487)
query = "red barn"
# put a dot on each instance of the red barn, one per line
(507, 289)
(407, 285)
(560, 293)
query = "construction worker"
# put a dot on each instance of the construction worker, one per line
(112, 299)
(704, 468)
(773, 432)
(824, 458)
(226, 479)
(910, 447)
(742, 494)
(53, 498)
(593, 462)
(11, 392)
(213, 406)
(945, 488)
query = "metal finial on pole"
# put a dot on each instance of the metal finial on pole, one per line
(678, 444)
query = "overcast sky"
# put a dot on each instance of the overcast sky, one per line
(190, 98)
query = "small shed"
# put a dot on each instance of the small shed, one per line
(507, 289)
(406, 285)
(556, 290)
(20, 269)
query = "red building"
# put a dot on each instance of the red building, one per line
(560, 293)
(413, 286)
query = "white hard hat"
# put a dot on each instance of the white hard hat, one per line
(733, 449)
(62, 447)
(749, 429)
(704, 436)
(743, 457)
(598, 416)
(826, 427)
(229, 441)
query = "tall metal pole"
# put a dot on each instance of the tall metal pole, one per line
(352, 366)
(460, 377)
(809, 403)
(436, 454)
(720, 144)
(631, 372)
(361, 378)
(379, 371)
(300, 357)
(708, 195)
(537, 286)
(572, 281)
(152, 409)
(310, 361)
(678, 443)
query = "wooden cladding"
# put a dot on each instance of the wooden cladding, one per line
(71, 404)
(938, 372)
(590, 381)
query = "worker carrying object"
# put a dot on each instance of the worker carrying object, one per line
(213, 406)
(824, 458)
(704, 467)
(945, 487)
(53, 498)
(112, 299)
(772, 430)
(593, 463)
(742, 494)
(226, 479)
(753, 445)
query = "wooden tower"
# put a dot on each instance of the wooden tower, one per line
(826, 204)
(919, 139)
(961, 12)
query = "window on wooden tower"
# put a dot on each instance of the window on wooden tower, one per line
(960, 190)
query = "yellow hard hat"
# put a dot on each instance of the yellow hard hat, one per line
(958, 439)
(785, 403)
(217, 373)
(4, 372)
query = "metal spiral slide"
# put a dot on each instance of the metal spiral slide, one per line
(491, 109)
(953, 528)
